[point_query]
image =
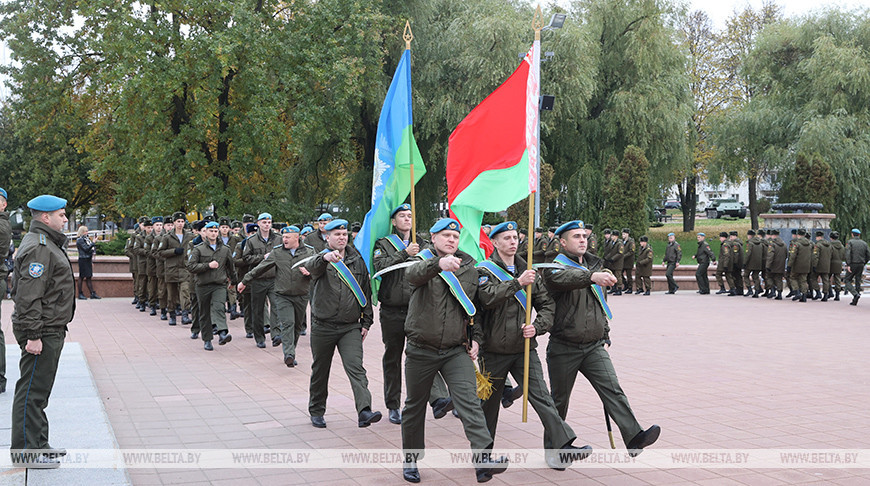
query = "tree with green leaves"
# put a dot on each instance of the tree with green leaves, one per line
(627, 186)
(811, 179)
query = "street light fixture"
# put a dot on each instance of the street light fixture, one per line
(556, 21)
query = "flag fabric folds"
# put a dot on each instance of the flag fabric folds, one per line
(395, 152)
(492, 154)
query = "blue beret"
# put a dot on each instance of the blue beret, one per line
(400, 207)
(290, 229)
(671, 234)
(444, 224)
(506, 226)
(3, 193)
(264, 216)
(46, 203)
(306, 230)
(324, 217)
(211, 224)
(701, 234)
(570, 225)
(250, 227)
(136, 226)
(856, 231)
(336, 224)
(157, 219)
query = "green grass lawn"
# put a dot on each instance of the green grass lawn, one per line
(688, 241)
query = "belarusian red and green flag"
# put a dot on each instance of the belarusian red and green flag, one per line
(492, 154)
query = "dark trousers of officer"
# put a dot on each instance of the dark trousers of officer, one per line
(854, 274)
(750, 278)
(291, 318)
(421, 367)
(326, 337)
(627, 278)
(799, 282)
(826, 282)
(644, 283)
(737, 279)
(669, 273)
(142, 287)
(173, 295)
(232, 296)
(2, 336)
(774, 281)
(195, 315)
(702, 278)
(557, 433)
(245, 300)
(393, 336)
(836, 282)
(211, 309)
(564, 360)
(721, 278)
(260, 290)
(153, 297)
(161, 292)
(29, 422)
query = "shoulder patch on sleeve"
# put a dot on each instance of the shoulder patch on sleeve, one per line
(482, 280)
(36, 270)
(377, 252)
(42, 240)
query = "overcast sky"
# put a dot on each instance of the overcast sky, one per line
(720, 10)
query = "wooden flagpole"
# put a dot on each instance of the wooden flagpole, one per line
(537, 25)
(409, 36)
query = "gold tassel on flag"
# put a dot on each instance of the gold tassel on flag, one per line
(484, 382)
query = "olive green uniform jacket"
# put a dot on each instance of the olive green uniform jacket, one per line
(288, 280)
(332, 300)
(436, 321)
(579, 317)
(838, 253)
(44, 290)
(753, 258)
(395, 291)
(174, 254)
(801, 256)
(822, 251)
(500, 317)
(255, 251)
(645, 261)
(776, 256)
(203, 254)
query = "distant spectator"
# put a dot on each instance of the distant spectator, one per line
(87, 250)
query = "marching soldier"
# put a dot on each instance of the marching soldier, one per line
(673, 255)
(341, 311)
(592, 240)
(703, 256)
(800, 261)
(753, 261)
(857, 256)
(821, 267)
(212, 266)
(172, 249)
(256, 250)
(552, 246)
(838, 252)
(617, 256)
(151, 264)
(394, 296)
(540, 246)
(580, 333)
(629, 248)
(291, 288)
(775, 263)
(241, 270)
(500, 333)
(198, 237)
(736, 264)
(160, 267)
(317, 239)
(644, 266)
(228, 238)
(724, 264)
(443, 286)
(791, 291)
(139, 249)
(765, 242)
(134, 266)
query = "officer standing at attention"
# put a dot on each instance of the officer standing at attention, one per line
(723, 263)
(644, 266)
(628, 259)
(800, 261)
(44, 298)
(673, 255)
(256, 250)
(341, 315)
(443, 287)
(212, 265)
(821, 267)
(580, 333)
(5, 241)
(753, 262)
(736, 264)
(500, 333)
(291, 288)
(703, 256)
(394, 296)
(838, 253)
(146, 227)
(857, 256)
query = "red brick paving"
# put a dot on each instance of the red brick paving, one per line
(715, 372)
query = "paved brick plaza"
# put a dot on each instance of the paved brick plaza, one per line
(715, 372)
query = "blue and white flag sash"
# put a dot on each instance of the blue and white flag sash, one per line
(452, 282)
(596, 289)
(397, 243)
(504, 277)
(347, 277)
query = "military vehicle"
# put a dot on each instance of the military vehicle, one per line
(725, 207)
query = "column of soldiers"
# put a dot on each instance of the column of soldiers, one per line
(810, 265)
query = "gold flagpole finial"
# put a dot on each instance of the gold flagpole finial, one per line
(538, 22)
(408, 35)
